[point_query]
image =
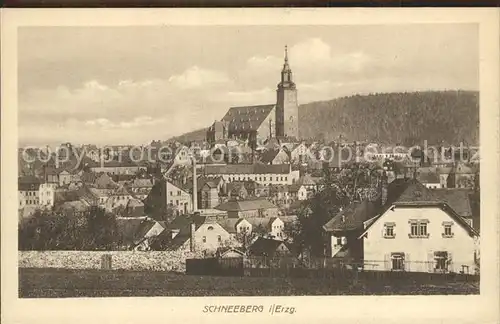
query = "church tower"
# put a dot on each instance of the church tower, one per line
(287, 108)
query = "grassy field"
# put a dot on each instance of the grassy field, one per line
(53, 283)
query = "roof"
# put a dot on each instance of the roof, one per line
(28, 183)
(248, 169)
(411, 193)
(352, 217)
(264, 222)
(229, 224)
(247, 204)
(269, 155)
(306, 180)
(247, 118)
(428, 177)
(265, 246)
(458, 199)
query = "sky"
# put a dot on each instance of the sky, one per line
(132, 85)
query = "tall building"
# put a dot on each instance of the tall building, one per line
(260, 122)
(287, 108)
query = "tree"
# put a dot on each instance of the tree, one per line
(93, 229)
(338, 191)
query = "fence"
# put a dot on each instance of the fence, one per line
(324, 268)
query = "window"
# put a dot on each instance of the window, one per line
(339, 241)
(440, 261)
(270, 178)
(286, 178)
(389, 230)
(177, 202)
(264, 178)
(447, 232)
(418, 229)
(171, 193)
(398, 261)
(204, 239)
(210, 228)
(178, 192)
(219, 238)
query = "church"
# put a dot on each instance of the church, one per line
(257, 123)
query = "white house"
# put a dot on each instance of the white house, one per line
(47, 194)
(275, 174)
(417, 232)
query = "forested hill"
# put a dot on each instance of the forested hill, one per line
(407, 118)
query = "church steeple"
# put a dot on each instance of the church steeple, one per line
(286, 73)
(287, 108)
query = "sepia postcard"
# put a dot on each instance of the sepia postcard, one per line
(281, 164)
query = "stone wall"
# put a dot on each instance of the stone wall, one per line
(124, 260)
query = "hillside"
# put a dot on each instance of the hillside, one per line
(196, 135)
(407, 118)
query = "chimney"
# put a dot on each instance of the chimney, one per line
(192, 244)
(195, 187)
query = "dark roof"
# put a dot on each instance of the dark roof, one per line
(353, 216)
(269, 155)
(247, 118)
(402, 191)
(428, 177)
(411, 193)
(265, 246)
(248, 169)
(28, 183)
(247, 204)
(457, 199)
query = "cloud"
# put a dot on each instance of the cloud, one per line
(196, 77)
(312, 60)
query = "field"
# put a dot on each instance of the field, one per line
(53, 283)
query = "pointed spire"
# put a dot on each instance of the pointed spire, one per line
(286, 67)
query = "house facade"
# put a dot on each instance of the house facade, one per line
(415, 230)
(420, 238)
(260, 173)
(47, 194)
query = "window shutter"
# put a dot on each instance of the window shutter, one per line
(407, 262)
(450, 262)
(387, 263)
(430, 261)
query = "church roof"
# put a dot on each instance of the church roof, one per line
(247, 118)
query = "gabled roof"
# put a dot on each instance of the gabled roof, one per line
(411, 193)
(229, 224)
(265, 246)
(246, 118)
(247, 204)
(121, 191)
(352, 217)
(306, 180)
(269, 155)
